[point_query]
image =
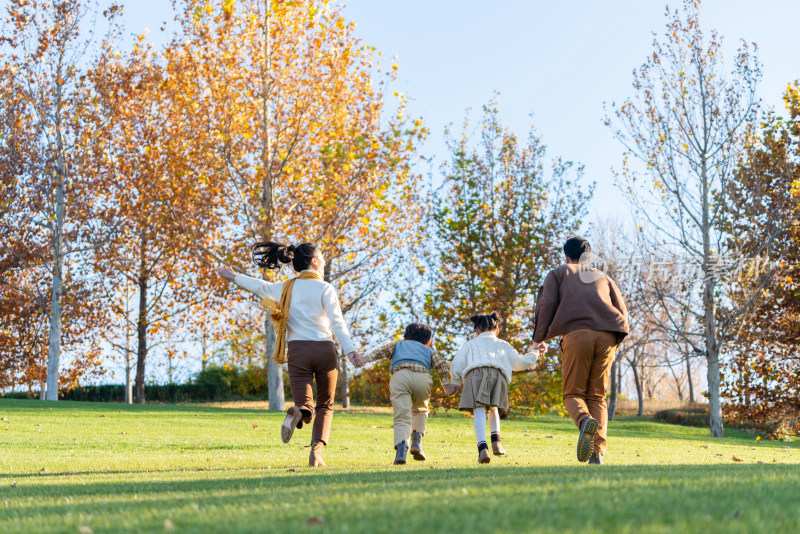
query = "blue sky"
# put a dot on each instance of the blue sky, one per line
(553, 63)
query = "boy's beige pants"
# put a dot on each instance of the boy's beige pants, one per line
(410, 392)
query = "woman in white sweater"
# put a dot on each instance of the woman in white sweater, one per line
(307, 318)
(484, 365)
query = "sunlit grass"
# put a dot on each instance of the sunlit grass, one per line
(212, 469)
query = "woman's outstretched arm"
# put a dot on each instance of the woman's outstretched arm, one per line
(256, 286)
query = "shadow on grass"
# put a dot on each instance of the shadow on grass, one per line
(548, 498)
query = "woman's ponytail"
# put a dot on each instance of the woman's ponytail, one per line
(273, 255)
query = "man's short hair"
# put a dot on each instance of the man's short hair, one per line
(575, 247)
(419, 332)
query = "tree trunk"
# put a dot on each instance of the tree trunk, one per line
(204, 355)
(345, 382)
(274, 370)
(128, 374)
(714, 405)
(612, 397)
(710, 309)
(689, 378)
(54, 334)
(128, 353)
(639, 394)
(141, 338)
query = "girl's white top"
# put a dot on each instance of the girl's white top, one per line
(314, 310)
(486, 350)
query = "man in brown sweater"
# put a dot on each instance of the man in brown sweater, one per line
(584, 306)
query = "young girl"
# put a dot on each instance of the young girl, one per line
(484, 365)
(308, 316)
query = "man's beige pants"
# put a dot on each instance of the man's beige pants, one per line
(586, 360)
(410, 392)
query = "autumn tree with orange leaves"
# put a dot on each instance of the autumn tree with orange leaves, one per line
(153, 182)
(296, 108)
(42, 45)
(762, 379)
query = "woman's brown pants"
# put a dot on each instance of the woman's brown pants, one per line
(309, 361)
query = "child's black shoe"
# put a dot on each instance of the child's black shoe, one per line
(402, 452)
(416, 446)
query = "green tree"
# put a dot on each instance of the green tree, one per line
(497, 223)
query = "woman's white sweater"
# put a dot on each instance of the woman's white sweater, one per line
(314, 310)
(486, 350)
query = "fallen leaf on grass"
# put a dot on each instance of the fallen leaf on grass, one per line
(255, 427)
(315, 521)
(14, 485)
(290, 470)
(703, 446)
(168, 525)
(549, 437)
(43, 469)
(735, 459)
(83, 529)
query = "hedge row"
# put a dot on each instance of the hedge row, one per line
(214, 383)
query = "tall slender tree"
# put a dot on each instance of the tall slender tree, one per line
(687, 125)
(44, 43)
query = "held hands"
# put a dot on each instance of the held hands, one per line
(357, 359)
(226, 272)
(541, 348)
(450, 389)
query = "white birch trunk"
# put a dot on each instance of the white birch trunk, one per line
(57, 285)
(274, 370)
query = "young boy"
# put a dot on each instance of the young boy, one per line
(410, 386)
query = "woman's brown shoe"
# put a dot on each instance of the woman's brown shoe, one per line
(483, 456)
(293, 416)
(315, 458)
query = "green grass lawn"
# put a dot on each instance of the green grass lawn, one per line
(71, 467)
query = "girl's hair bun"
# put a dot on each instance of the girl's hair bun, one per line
(485, 323)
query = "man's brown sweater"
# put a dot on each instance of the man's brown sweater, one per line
(576, 296)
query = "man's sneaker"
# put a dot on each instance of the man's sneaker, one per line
(586, 439)
(402, 452)
(596, 458)
(416, 446)
(293, 416)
